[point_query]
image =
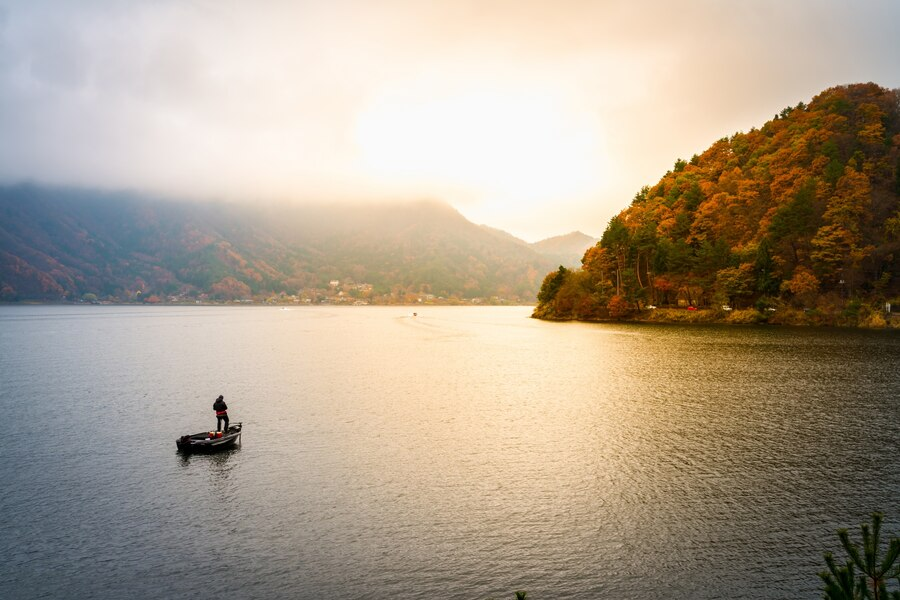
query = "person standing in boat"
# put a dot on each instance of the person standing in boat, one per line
(221, 413)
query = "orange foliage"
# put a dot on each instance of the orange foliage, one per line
(230, 288)
(809, 195)
(618, 307)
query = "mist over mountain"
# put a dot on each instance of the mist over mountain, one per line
(567, 250)
(61, 244)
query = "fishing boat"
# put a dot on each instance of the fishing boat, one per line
(210, 441)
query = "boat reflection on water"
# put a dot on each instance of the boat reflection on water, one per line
(219, 459)
(217, 468)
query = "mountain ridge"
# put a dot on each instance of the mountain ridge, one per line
(63, 243)
(567, 249)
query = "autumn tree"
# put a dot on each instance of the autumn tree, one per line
(662, 289)
(599, 262)
(618, 307)
(803, 285)
(735, 283)
(838, 246)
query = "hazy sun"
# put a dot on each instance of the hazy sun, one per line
(523, 146)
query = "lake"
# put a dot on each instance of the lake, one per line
(463, 452)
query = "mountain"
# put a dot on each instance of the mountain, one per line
(566, 250)
(58, 244)
(800, 216)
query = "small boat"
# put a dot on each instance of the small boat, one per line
(210, 441)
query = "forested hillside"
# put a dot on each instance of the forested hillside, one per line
(800, 216)
(65, 245)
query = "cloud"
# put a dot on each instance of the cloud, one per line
(265, 101)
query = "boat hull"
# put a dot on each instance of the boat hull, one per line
(203, 443)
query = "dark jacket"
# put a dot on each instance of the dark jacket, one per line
(220, 407)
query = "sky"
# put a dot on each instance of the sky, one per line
(535, 117)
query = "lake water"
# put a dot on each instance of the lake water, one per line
(461, 453)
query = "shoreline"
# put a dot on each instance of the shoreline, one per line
(780, 317)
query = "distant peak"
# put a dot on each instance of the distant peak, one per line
(575, 237)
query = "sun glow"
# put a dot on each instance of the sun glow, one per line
(516, 146)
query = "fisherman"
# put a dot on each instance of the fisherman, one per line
(221, 413)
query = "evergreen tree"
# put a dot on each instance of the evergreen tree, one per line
(841, 583)
(552, 283)
(766, 282)
(618, 240)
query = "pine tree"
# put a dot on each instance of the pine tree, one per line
(841, 583)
